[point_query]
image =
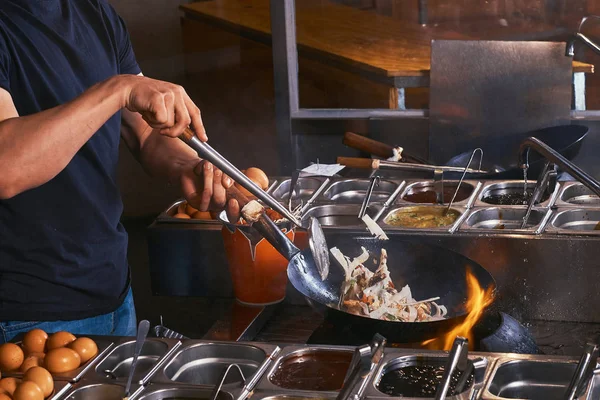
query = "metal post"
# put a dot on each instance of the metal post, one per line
(285, 75)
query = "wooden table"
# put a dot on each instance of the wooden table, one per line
(380, 48)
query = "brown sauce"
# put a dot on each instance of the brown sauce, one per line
(429, 196)
(417, 381)
(315, 370)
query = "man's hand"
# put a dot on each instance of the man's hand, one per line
(204, 187)
(163, 105)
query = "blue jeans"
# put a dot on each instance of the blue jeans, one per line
(121, 322)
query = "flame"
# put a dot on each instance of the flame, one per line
(477, 300)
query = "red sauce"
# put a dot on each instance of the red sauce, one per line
(316, 370)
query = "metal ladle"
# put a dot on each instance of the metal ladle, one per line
(142, 333)
(462, 178)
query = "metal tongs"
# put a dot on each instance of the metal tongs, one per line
(249, 384)
(206, 152)
(365, 360)
(547, 180)
(458, 361)
(363, 208)
(583, 373)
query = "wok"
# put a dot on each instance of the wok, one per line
(500, 154)
(429, 270)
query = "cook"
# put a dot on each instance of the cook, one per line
(70, 89)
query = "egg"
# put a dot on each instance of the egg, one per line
(41, 377)
(34, 341)
(182, 216)
(4, 396)
(9, 385)
(202, 215)
(258, 176)
(59, 339)
(11, 357)
(30, 362)
(189, 210)
(28, 391)
(85, 347)
(62, 360)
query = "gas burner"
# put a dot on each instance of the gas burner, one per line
(495, 332)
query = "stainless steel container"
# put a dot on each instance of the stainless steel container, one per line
(576, 221)
(395, 360)
(89, 390)
(168, 392)
(529, 378)
(353, 191)
(496, 188)
(116, 365)
(429, 186)
(506, 220)
(575, 194)
(289, 352)
(201, 363)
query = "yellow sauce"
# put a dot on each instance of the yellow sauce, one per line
(422, 217)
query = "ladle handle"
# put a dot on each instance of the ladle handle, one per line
(368, 145)
(355, 162)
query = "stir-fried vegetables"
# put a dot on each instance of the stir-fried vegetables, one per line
(373, 294)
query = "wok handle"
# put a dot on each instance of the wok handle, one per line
(367, 145)
(354, 162)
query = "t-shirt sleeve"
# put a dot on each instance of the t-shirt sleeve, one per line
(127, 61)
(4, 65)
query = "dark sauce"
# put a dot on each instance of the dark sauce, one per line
(418, 381)
(512, 199)
(317, 370)
(429, 196)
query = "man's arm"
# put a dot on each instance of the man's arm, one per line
(35, 148)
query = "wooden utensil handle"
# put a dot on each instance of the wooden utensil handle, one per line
(367, 145)
(354, 162)
(234, 193)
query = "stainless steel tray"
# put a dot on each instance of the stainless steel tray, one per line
(505, 220)
(463, 213)
(305, 187)
(519, 377)
(91, 390)
(265, 383)
(104, 343)
(160, 392)
(339, 215)
(352, 191)
(502, 187)
(575, 221)
(200, 363)
(575, 194)
(397, 359)
(428, 185)
(155, 353)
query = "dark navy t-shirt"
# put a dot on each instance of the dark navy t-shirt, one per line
(63, 250)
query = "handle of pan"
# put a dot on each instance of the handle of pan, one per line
(355, 162)
(377, 148)
(368, 145)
